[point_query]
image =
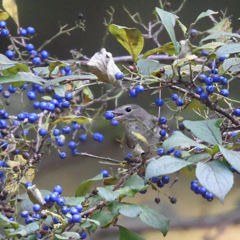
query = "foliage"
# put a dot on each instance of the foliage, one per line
(209, 146)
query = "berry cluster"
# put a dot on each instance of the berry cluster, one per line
(201, 190)
(135, 91)
(71, 213)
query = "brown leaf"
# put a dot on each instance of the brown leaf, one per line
(11, 7)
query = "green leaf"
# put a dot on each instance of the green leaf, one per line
(209, 46)
(41, 71)
(124, 234)
(60, 90)
(13, 70)
(166, 48)
(73, 201)
(168, 20)
(53, 65)
(205, 14)
(20, 78)
(147, 67)
(180, 62)
(131, 186)
(107, 194)
(70, 118)
(154, 219)
(182, 26)
(216, 177)
(71, 235)
(47, 98)
(199, 157)
(5, 60)
(223, 25)
(231, 156)
(163, 166)
(130, 38)
(179, 139)
(228, 49)
(4, 221)
(231, 64)
(26, 230)
(84, 187)
(206, 130)
(220, 34)
(103, 217)
(126, 209)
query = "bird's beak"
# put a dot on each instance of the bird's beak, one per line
(118, 116)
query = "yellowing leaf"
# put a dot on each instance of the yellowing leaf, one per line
(140, 137)
(11, 187)
(130, 38)
(88, 96)
(179, 62)
(3, 15)
(54, 215)
(29, 175)
(69, 118)
(11, 7)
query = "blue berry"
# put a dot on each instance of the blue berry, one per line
(3, 24)
(139, 88)
(47, 199)
(67, 69)
(202, 77)
(205, 53)
(72, 144)
(36, 60)
(61, 143)
(36, 207)
(114, 122)
(224, 92)
(68, 96)
(165, 179)
(194, 186)
(98, 137)
(62, 155)
(160, 151)
(42, 132)
(75, 126)
(119, 75)
(57, 97)
(223, 80)
(76, 218)
(215, 78)
(74, 152)
(193, 33)
(171, 150)
(178, 154)
(129, 156)
(65, 209)
(79, 207)
(50, 107)
(31, 95)
(159, 102)
(174, 97)
(58, 189)
(68, 73)
(11, 89)
(28, 184)
(66, 130)
(162, 120)
(163, 132)
(73, 211)
(199, 90)
(3, 124)
(203, 190)
(82, 138)
(203, 96)
(65, 104)
(44, 54)
(208, 80)
(237, 112)
(33, 53)
(83, 235)
(105, 173)
(155, 179)
(222, 58)
(9, 54)
(143, 191)
(60, 201)
(133, 93)
(4, 33)
(160, 183)
(30, 30)
(53, 197)
(56, 221)
(109, 115)
(210, 89)
(180, 102)
(29, 47)
(23, 32)
(24, 214)
(209, 196)
(29, 220)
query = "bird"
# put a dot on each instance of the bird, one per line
(138, 122)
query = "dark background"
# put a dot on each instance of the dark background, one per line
(45, 16)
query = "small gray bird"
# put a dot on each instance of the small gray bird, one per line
(137, 120)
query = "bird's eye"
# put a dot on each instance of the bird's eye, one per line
(128, 109)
